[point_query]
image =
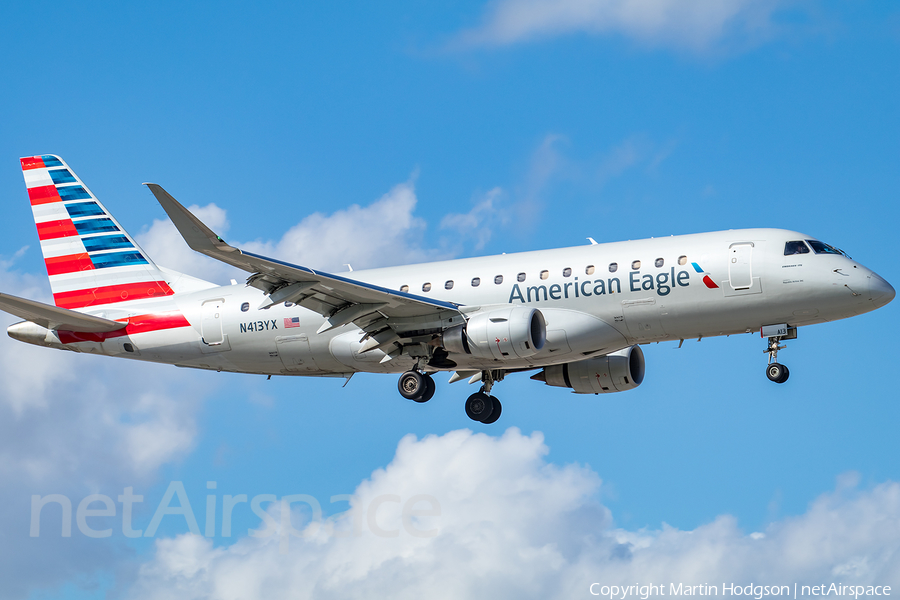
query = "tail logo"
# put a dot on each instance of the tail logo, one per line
(90, 259)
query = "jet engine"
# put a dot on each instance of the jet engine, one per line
(615, 372)
(504, 334)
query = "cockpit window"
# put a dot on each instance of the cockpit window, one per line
(823, 248)
(795, 248)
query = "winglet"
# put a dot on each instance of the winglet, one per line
(197, 235)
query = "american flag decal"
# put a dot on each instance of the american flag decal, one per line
(292, 322)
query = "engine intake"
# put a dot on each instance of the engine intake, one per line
(502, 334)
(615, 372)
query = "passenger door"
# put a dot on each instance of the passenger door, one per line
(740, 267)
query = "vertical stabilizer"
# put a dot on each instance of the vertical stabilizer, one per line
(90, 258)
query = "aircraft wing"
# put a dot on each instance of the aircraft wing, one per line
(54, 317)
(340, 300)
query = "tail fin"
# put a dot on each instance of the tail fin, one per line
(90, 258)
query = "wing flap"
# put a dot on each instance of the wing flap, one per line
(53, 317)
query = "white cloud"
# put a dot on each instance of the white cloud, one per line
(691, 25)
(165, 246)
(71, 424)
(477, 225)
(512, 526)
(385, 232)
(552, 163)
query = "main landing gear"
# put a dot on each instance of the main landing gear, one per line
(480, 406)
(774, 370)
(416, 386)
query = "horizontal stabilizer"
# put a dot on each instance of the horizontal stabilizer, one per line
(53, 317)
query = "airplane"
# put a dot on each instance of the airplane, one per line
(575, 316)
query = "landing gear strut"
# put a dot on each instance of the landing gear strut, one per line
(481, 406)
(774, 370)
(416, 386)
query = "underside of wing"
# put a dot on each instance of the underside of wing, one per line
(385, 315)
(54, 317)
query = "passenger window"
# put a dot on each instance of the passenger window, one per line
(545, 274)
(288, 304)
(426, 287)
(659, 262)
(520, 277)
(636, 265)
(567, 272)
(682, 260)
(476, 281)
(797, 247)
(498, 279)
(589, 270)
(404, 288)
(448, 285)
(245, 307)
(613, 267)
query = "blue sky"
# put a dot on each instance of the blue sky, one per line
(546, 123)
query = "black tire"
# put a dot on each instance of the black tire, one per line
(430, 388)
(787, 373)
(495, 414)
(412, 385)
(479, 407)
(776, 372)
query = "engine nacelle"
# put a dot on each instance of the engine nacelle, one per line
(615, 372)
(502, 334)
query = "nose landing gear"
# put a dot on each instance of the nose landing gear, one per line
(774, 370)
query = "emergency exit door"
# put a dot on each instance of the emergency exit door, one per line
(211, 323)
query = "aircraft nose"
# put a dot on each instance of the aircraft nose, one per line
(882, 291)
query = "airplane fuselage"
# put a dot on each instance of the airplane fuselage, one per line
(595, 299)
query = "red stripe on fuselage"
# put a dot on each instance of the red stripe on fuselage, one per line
(32, 162)
(51, 230)
(43, 194)
(112, 293)
(138, 324)
(709, 282)
(71, 263)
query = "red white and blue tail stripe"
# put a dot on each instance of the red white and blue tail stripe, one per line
(90, 258)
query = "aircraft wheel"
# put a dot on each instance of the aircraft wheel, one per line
(430, 388)
(495, 414)
(479, 407)
(412, 385)
(787, 373)
(777, 373)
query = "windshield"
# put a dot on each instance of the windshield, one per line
(823, 248)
